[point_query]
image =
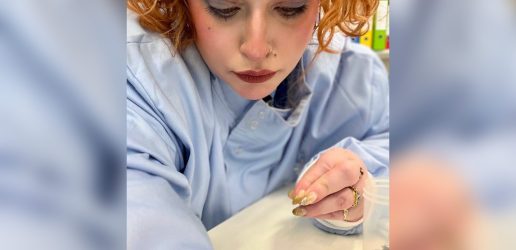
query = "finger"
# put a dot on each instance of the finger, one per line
(345, 174)
(317, 169)
(354, 214)
(338, 201)
(326, 162)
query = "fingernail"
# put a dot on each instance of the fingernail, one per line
(309, 199)
(290, 194)
(300, 195)
(298, 211)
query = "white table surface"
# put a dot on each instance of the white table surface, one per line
(269, 224)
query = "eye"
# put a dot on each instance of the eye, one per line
(223, 13)
(289, 12)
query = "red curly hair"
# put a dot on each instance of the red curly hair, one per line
(171, 18)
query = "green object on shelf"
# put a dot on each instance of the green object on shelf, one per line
(380, 26)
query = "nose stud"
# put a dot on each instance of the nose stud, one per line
(269, 51)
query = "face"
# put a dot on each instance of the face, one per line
(253, 45)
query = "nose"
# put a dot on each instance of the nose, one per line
(254, 44)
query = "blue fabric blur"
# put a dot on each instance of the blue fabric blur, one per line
(454, 91)
(197, 152)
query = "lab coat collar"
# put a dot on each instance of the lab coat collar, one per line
(300, 96)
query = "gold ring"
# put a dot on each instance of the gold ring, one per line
(345, 213)
(356, 197)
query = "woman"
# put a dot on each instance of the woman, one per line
(229, 100)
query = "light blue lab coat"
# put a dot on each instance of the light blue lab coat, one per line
(197, 153)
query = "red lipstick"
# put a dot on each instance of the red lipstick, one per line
(252, 76)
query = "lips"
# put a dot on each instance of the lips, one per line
(252, 76)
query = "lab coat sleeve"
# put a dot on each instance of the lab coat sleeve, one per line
(158, 194)
(372, 148)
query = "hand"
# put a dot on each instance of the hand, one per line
(326, 190)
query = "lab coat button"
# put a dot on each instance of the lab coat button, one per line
(253, 125)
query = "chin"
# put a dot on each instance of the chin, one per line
(254, 95)
(255, 92)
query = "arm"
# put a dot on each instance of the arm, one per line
(373, 147)
(335, 169)
(158, 194)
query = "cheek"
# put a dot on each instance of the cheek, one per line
(211, 40)
(302, 29)
(306, 26)
(304, 32)
(297, 36)
(203, 29)
(203, 26)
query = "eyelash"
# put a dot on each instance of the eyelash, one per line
(223, 13)
(286, 12)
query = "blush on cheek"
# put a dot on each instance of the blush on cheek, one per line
(203, 32)
(202, 24)
(303, 33)
(304, 30)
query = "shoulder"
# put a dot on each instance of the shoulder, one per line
(354, 79)
(136, 33)
(349, 59)
(169, 85)
(153, 62)
(352, 67)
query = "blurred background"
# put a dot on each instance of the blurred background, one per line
(62, 124)
(453, 139)
(453, 124)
